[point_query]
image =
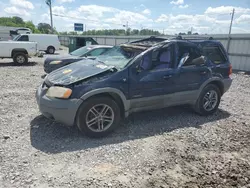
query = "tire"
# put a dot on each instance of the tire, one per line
(86, 114)
(50, 50)
(20, 58)
(202, 101)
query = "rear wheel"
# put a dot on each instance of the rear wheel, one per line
(208, 101)
(51, 50)
(98, 117)
(20, 58)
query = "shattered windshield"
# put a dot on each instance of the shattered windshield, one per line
(117, 56)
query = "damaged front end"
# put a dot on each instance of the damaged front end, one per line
(77, 72)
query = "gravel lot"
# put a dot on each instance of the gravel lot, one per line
(173, 147)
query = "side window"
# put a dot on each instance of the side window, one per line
(214, 54)
(158, 59)
(189, 54)
(96, 52)
(24, 38)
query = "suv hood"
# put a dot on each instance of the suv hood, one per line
(76, 72)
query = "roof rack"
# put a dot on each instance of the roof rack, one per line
(192, 38)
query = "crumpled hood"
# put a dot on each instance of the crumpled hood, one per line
(77, 72)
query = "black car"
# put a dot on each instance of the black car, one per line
(54, 62)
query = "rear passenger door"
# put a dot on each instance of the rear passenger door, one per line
(191, 75)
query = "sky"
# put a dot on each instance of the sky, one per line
(168, 16)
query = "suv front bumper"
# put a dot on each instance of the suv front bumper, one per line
(60, 110)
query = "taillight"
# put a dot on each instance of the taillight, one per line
(230, 70)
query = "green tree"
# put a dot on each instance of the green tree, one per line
(44, 28)
(18, 21)
(30, 25)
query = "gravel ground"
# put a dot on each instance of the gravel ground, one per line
(173, 147)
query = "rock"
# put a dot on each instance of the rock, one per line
(6, 137)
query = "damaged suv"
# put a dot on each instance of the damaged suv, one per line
(97, 94)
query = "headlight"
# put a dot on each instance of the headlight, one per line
(59, 92)
(55, 62)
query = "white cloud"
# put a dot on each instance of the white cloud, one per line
(177, 2)
(162, 18)
(245, 18)
(146, 12)
(16, 11)
(96, 10)
(59, 10)
(65, 1)
(184, 6)
(226, 10)
(104, 17)
(131, 17)
(22, 3)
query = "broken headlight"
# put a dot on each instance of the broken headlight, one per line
(59, 92)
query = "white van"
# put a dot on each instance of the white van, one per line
(45, 42)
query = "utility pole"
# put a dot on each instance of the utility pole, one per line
(126, 27)
(48, 2)
(230, 29)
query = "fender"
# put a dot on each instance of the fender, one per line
(91, 93)
(206, 83)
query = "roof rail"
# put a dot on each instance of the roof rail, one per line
(193, 38)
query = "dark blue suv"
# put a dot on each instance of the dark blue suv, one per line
(96, 94)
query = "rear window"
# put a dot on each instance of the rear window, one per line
(214, 53)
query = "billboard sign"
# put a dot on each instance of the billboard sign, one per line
(78, 27)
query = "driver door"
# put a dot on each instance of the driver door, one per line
(151, 79)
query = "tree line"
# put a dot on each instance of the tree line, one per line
(117, 32)
(45, 28)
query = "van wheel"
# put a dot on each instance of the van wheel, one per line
(208, 101)
(98, 117)
(20, 58)
(51, 50)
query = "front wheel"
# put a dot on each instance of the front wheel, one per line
(20, 58)
(51, 50)
(208, 101)
(98, 117)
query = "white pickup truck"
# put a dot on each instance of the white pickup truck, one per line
(19, 51)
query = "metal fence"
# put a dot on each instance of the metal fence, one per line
(238, 49)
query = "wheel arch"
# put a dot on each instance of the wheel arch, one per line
(215, 81)
(18, 50)
(112, 93)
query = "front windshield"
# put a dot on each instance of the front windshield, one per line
(81, 51)
(117, 56)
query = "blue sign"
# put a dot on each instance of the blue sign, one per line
(78, 27)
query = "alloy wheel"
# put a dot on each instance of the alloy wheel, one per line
(99, 118)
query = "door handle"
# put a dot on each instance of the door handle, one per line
(203, 72)
(167, 77)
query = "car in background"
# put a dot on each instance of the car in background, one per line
(55, 62)
(45, 42)
(18, 51)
